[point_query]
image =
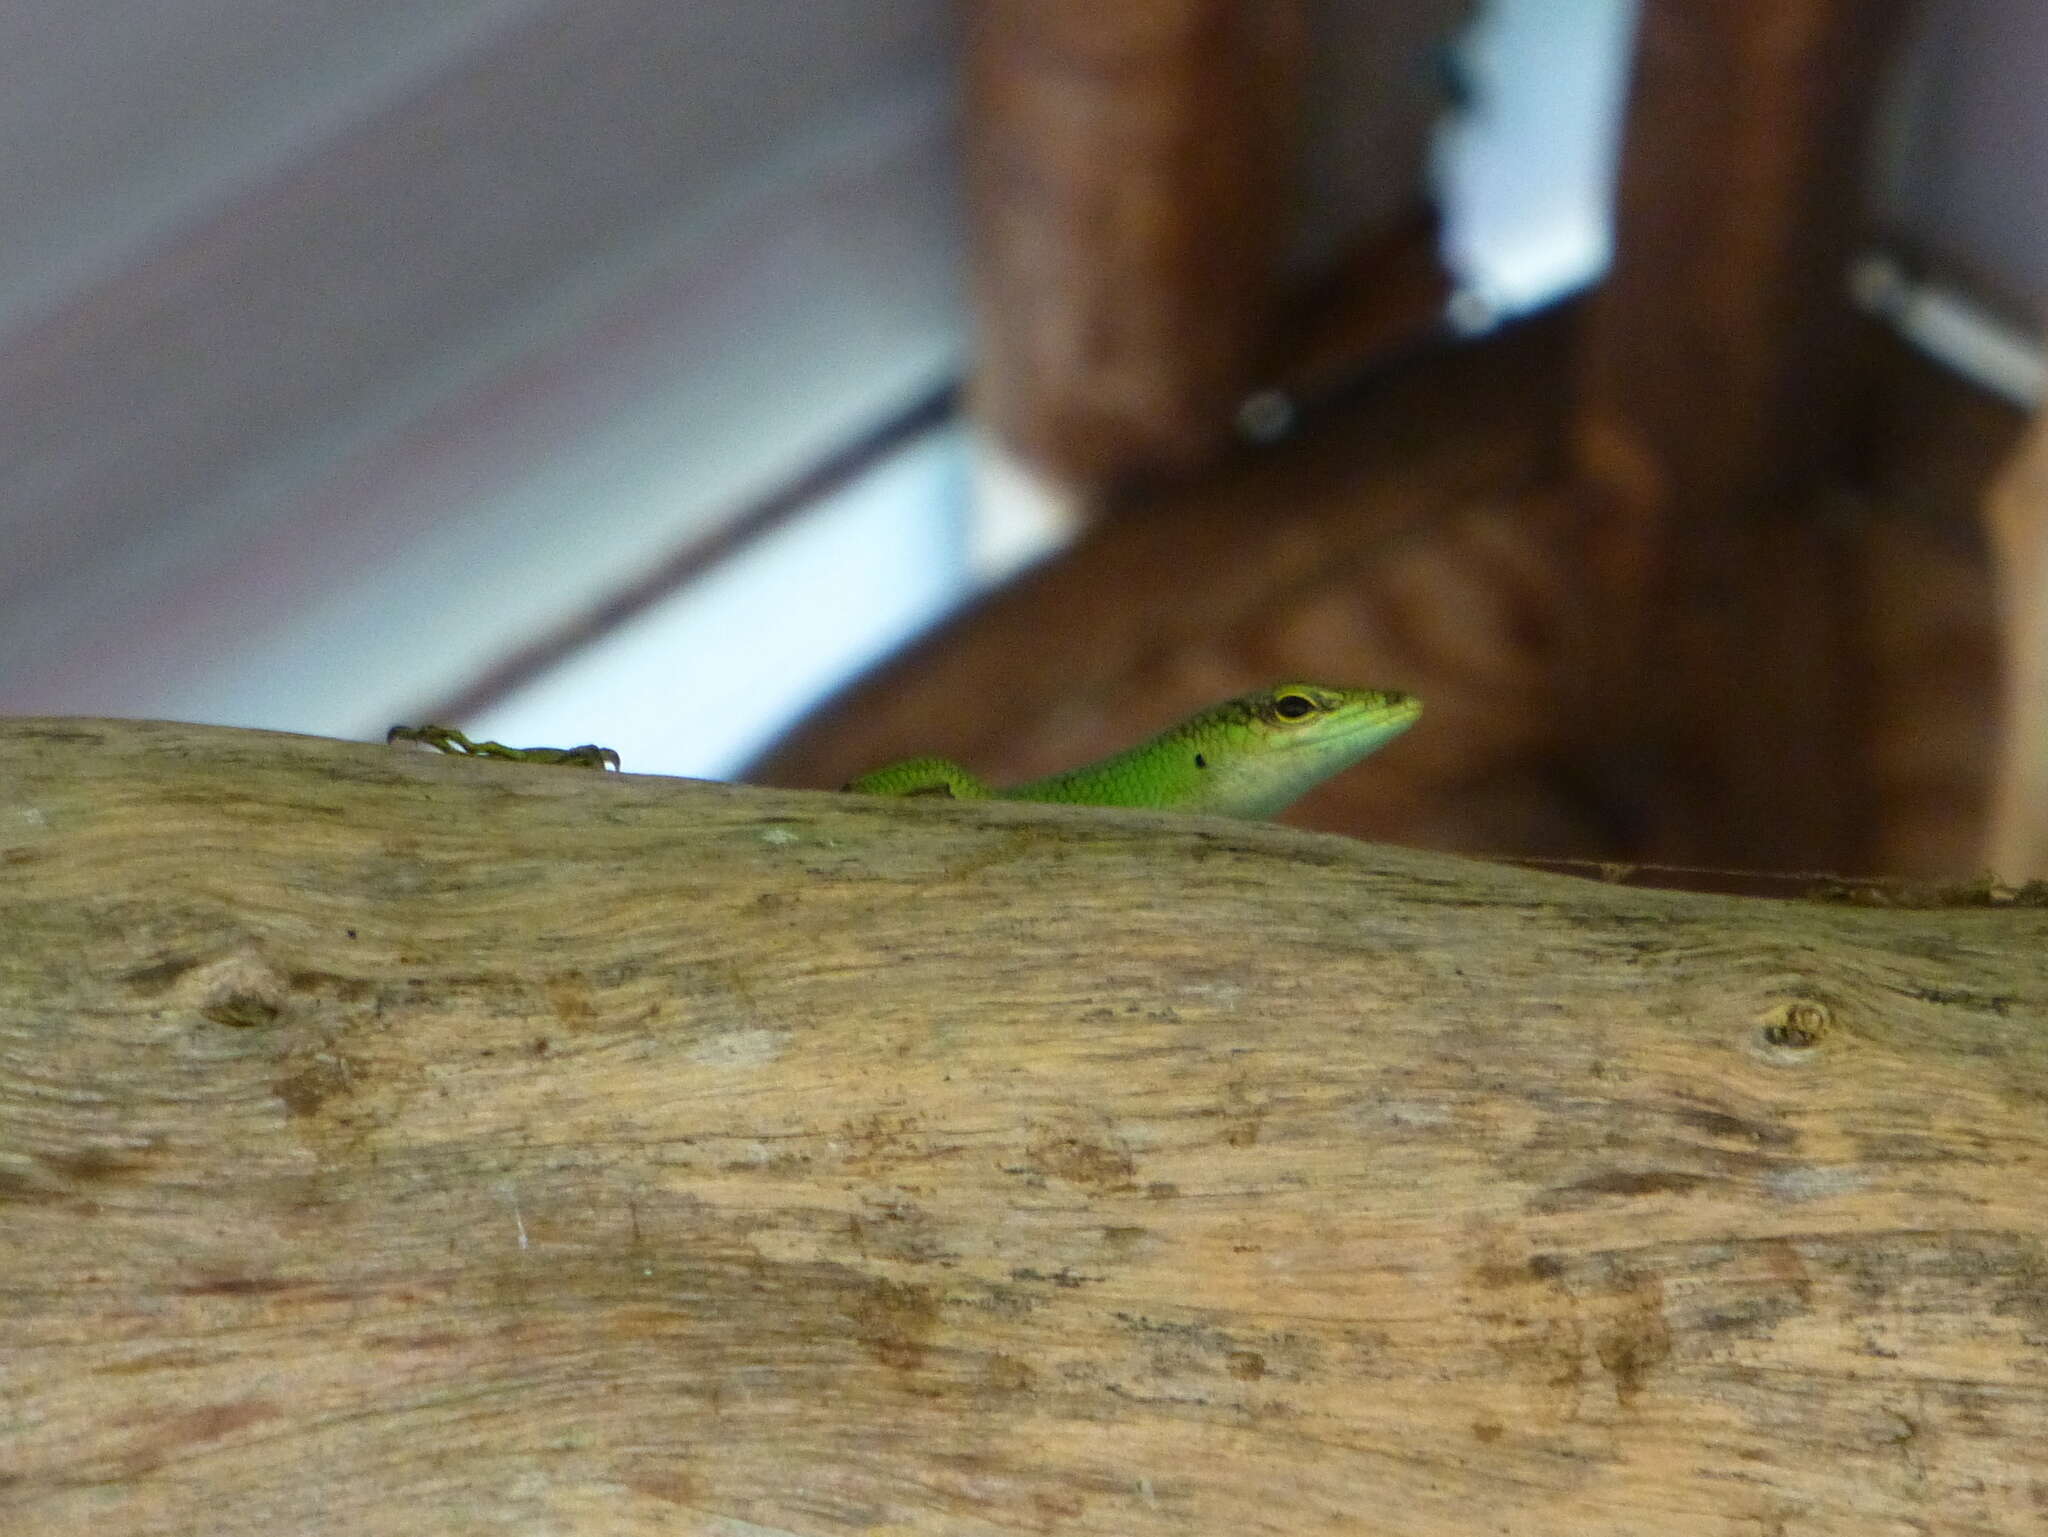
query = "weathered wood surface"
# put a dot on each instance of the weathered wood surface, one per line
(392, 1144)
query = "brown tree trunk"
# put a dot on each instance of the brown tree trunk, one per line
(390, 1144)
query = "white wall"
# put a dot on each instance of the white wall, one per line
(308, 418)
(1963, 169)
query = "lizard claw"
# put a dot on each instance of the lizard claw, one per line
(447, 739)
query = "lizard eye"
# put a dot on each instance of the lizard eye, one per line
(1294, 706)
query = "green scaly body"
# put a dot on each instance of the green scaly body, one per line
(1247, 757)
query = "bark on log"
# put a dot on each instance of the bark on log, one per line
(392, 1144)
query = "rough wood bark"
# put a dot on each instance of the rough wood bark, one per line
(391, 1144)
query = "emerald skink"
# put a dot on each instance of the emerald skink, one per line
(1248, 757)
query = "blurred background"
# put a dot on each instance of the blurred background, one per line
(766, 388)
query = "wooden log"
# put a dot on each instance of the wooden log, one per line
(1718, 390)
(391, 1144)
(1130, 170)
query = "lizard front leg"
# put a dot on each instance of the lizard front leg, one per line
(447, 739)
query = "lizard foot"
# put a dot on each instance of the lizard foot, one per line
(447, 739)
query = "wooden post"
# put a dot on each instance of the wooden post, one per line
(1718, 383)
(1131, 170)
(2016, 520)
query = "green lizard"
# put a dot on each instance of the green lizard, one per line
(1247, 757)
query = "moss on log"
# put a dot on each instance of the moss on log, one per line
(396, 1144)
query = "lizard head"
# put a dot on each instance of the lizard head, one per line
(1260, 751)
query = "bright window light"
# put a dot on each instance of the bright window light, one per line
(701, 683)
(1526, 172)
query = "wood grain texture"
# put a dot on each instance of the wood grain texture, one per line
(393, 1144)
